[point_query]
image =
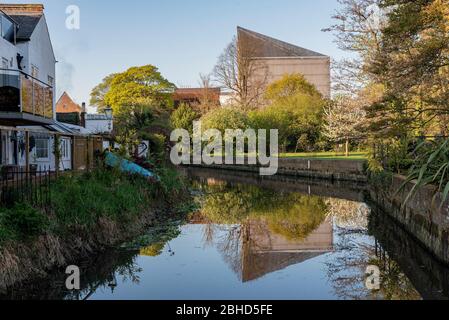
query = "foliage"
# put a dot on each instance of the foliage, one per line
(298, 119)
(225, 118)
(183, 117)
(97, 96)
(171, 181)
(413, 60)
(98, 194)
(139, 86)
(401, 46)
(289, 214)
(141, 100)
(21, 222)
(343, 120)
(290, 85)
(431, 167)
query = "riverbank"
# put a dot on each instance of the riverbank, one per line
(326, 169)
(89, 213)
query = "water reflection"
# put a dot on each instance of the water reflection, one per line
(254, 238)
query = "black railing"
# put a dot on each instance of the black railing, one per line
(21, 186)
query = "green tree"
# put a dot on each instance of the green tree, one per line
(141, 99)
(289, 86)
(344, 119)
(225, 118)
(137, 87)
(183, 117)
(97, 96)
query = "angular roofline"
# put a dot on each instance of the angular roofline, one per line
(284, 46)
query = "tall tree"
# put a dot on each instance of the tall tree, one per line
(97, 96)
(358, 30)
(239, 72)
(141, 99)
(414, 60)
(343, 120)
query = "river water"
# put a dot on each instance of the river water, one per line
(261, 238)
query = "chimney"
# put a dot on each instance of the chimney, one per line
(83, 115)
(23, 9)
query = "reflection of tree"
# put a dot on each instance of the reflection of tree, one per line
(153, 250)
(291, 215)
(395, 284)
(348, 214)
(231, 211)
(347, 267)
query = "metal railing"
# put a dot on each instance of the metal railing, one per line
(21, 92)
(20, 186)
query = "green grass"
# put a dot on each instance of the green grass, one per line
(79, 201)
(326, 156)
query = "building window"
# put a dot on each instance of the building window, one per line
(34, 72)
(42, 148)
(51, 81)
(7, 29)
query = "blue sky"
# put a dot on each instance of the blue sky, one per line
(181, 37)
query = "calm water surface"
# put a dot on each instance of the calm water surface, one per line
(253, 238)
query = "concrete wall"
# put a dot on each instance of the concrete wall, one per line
(422, 216)
(338, 170)
(315, 70)
(99, 126)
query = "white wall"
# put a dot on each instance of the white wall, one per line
(9, 51)
(99, 126)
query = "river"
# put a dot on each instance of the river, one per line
(261, 238)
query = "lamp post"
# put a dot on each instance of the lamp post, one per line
(108, 113)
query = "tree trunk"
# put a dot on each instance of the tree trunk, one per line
(347, 148)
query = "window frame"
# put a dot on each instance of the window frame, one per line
(47, 158)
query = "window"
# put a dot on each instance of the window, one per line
(7, 28)
(42, 148)
(51, 81)
(34, 71)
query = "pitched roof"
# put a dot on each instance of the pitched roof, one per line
(27, 16)
(263, 46)
(65, 104)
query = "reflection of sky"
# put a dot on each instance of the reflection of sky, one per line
(199, 272)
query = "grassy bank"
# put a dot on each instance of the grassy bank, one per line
(88, 213)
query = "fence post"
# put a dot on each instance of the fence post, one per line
(27, 152)
(72, 150)
(57, 151)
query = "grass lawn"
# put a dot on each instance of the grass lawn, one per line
(326, 155)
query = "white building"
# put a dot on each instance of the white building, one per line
(99, 123)
(27, 87)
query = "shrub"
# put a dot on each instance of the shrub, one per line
(183, 117)
(21, 222)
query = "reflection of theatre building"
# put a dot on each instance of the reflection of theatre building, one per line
(264, 251)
